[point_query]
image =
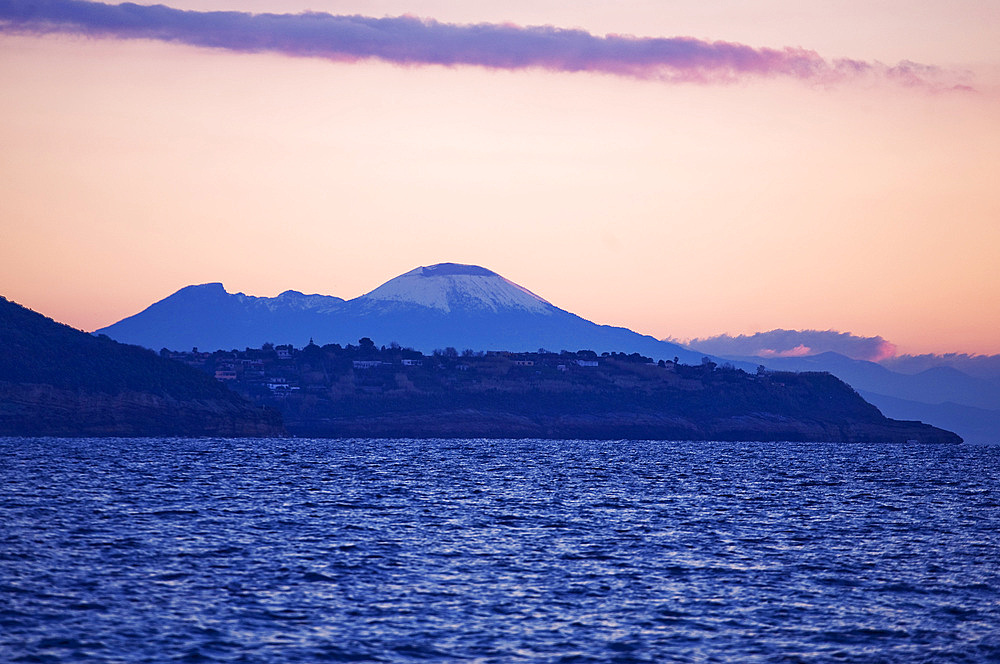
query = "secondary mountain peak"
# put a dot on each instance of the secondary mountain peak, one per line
(209, 317)
(450, 286)
(209, 289)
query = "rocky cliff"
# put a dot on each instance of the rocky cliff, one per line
(470, 423)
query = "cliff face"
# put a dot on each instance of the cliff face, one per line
(57, 381)
(468, 423)
(44, 410)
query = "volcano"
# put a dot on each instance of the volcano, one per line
(428, 308)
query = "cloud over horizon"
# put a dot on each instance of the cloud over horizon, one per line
(408, 40)
(797, 343)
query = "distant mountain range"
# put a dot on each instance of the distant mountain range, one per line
(940, 395)
(428, 308)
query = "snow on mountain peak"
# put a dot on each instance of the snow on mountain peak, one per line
(452, 269)
(450, 285)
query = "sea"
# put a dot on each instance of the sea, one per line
(300, 550)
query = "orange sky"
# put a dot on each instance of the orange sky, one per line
(129, 169)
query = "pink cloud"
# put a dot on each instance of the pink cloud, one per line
(412, 41)
(797, 343)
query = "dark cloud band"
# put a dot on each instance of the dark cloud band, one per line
(412, 41)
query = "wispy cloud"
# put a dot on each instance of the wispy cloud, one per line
(413, 41)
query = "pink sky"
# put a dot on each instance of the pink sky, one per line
(129, 169)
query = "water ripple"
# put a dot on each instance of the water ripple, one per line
(150, 550)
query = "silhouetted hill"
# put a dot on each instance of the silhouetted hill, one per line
(55, 380)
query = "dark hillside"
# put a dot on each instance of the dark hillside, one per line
(55, 380)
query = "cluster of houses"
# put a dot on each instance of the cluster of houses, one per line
(272, 369)
(375, 364)
(279, 371)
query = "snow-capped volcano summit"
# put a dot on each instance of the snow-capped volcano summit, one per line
(448, 286)
(427, 308)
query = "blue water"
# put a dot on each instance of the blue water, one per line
(497, 551)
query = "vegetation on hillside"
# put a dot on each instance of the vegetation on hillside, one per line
(359, 389)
